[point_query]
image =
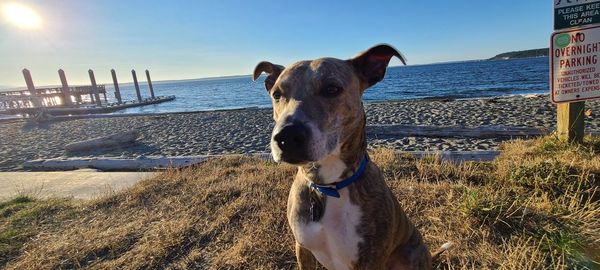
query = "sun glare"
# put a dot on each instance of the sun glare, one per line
(21, 16)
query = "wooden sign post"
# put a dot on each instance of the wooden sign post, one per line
(570, 121)
(574, 64)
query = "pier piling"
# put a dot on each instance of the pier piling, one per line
(96, 94)
(66, 92)
(116, 84)
(36, 102)
(137, 86)
(150, 84)
(29, 81)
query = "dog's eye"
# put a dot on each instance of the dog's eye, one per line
(277, 95)
(331, 91)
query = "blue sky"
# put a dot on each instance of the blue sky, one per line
(195, 39)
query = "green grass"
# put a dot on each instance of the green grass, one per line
(22, 218)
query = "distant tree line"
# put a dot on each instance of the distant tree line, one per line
(522, 54)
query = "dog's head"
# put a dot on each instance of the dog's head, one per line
(318, 103)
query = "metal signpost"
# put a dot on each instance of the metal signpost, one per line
(574, 63)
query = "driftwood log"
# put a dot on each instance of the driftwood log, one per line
(481, 132)
(123, 164)
(112, 164)
(161, 162)
(117, 139)
(456, 156)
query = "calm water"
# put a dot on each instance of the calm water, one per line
(458, 80)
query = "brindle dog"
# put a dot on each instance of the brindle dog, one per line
(320, 127)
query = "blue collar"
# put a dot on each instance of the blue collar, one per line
(332, 189)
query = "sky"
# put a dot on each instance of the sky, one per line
(196, 39)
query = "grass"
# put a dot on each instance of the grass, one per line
(535, 207)
(22, 219)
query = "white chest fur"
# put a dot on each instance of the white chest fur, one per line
(334, 239)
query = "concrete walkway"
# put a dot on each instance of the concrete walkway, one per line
(80, 184)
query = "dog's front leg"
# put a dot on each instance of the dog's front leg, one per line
(306, 261)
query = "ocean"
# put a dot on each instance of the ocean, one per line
(469, 79)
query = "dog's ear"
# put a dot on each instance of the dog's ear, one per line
(371, 64)
(271, 69)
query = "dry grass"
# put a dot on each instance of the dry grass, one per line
(535, 207)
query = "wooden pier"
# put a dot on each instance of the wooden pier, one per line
(107, 108)
(72, 100)
(48, 97)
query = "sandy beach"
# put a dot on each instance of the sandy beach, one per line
(248, 130)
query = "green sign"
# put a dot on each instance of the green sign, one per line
(562, 40)
(573, 13)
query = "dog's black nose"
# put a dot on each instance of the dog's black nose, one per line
(292, 140)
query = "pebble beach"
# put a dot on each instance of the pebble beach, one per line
(248, 130)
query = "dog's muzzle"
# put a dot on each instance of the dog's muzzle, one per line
(293, 140)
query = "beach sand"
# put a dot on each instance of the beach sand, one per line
(249, 130)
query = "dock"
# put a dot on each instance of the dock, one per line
(107, 108)
(73, 100)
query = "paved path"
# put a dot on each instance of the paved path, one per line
(80, 184)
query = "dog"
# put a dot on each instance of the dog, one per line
(340, 210)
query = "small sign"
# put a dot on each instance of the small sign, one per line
(573, 13)
(574, 65)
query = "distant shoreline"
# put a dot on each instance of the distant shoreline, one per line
(543, 52)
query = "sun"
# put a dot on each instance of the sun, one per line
(21, 16)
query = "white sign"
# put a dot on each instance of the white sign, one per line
(574, 64)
